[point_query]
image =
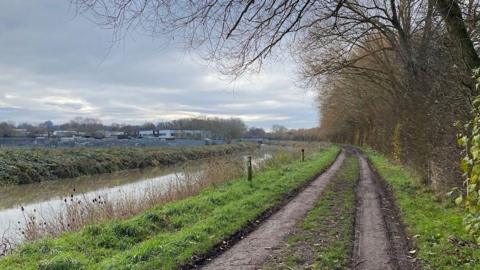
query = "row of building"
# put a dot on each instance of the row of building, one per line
(167, 134)
(175, 134)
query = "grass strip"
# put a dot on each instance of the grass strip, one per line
(325, 239)
(435, 226)
(170, 235)
(22, 166)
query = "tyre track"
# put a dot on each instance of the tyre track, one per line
(380, 238)
(371, 248)
(255, 247)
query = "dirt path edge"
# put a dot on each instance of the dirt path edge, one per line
(251, 251)
(201, 260)
(398, 244)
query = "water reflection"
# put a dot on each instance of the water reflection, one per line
(48, 198)
(13, 196)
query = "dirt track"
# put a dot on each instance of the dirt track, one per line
(371, 250)
(380, 240)
(254, 248)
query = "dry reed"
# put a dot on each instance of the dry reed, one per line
(81, 210)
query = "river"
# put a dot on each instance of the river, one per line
(48, 197)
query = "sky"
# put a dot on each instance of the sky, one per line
(56, 66)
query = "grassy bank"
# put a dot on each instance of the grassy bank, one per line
(21, 166)
(171, 235)
(79, 210)
(436, 227)
(324, 241)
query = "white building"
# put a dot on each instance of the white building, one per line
(65, 133)
(109, 134)
(167, 134)
(147, 133)
(192, 134)
(171, 134)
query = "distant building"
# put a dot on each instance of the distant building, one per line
(117, 133)
(41, 135)
(65, 133)
(171, 134)
(147, 133)
(167, 134)
(109, 134)
(192, 134)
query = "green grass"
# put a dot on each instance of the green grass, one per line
(324, 240)
(436, 227)
(21, 166)
(168, 236)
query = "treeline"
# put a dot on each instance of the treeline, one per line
(229, 128)
(301, 134)
(279, 132)
(222, 128)
(401, 87)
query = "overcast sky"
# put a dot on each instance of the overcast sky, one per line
(56, 66)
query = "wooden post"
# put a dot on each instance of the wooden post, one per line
(303, 155)
(249, 168)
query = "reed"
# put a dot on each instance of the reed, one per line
(5, 245)
(80, 210)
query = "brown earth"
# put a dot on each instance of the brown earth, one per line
(380, 238)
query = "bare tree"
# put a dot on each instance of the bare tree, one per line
(239, 34)
(380, 60)
(279, 129)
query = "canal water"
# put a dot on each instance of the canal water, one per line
(48, 198)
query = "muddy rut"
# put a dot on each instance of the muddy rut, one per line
(255, 247)
(380, 239)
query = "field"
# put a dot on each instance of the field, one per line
(23, 166)
(174, 234)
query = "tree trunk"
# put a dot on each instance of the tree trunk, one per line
(452, 14)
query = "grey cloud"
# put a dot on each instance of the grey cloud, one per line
(55, 65)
